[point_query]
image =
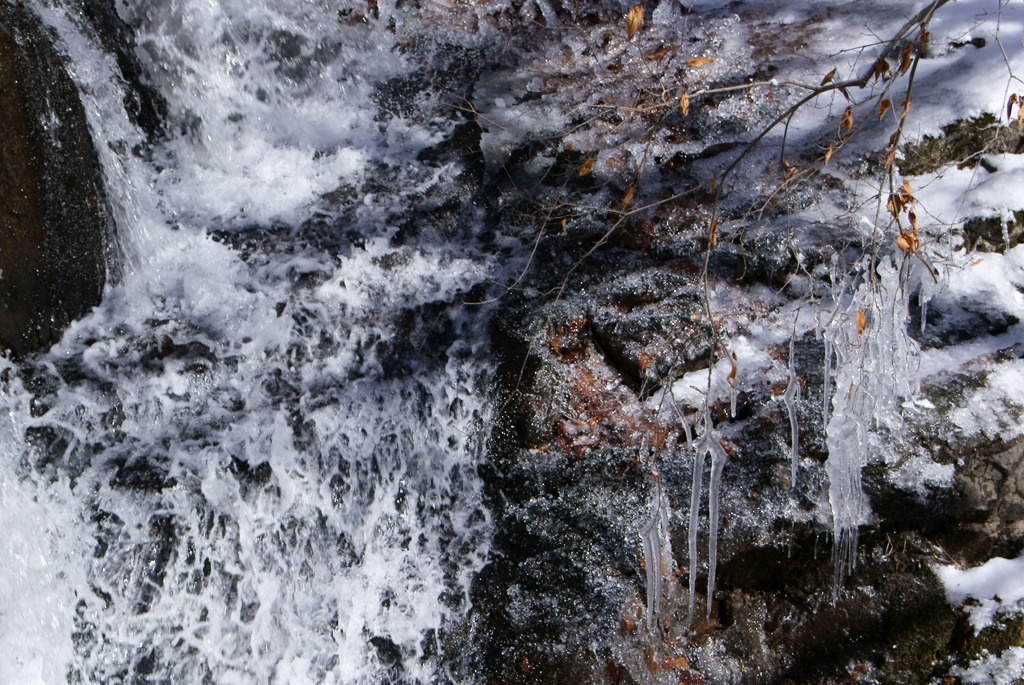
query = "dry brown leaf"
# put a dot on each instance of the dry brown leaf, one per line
(828, 153)
(913, 219)
(862, 323)
(628, 200)
(908, 242)
(906, 108)
(790, 170)
(894, 204)
(847, 123)
(902, 243)
(587, 167)
(922, 42)
(660, 54)
(906, 59)
(828, 77)
(616, 162)
(890, 157)
(907, 193)
(881, 68)
(714, 233)
(701, 62)
(883, 108)
(679, 663)
(684, 104)
(634, 21)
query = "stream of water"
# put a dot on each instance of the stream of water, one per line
(255, 461)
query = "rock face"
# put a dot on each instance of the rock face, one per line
(54, 222)
(583, 429)
(564, 600)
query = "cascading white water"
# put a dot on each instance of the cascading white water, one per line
(220, 475)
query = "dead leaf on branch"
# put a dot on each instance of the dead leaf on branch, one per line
(908, 242)
(701, 62)
(828, 77)
(847, 123)
(828, 154)
(906, 59)
(684, 104)
(883, 108)
(862, 323)
(587, 167)
(882, 68)
(634, 21)
(901, 199)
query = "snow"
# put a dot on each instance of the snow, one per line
(997, 586)
(994, 669)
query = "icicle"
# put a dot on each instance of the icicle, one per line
(827, 379)
(922, 301)
(707, 445)
(718, 459)
(791, 396)
(685, 425)
(655, 539)
(687, 432)
(698, 477)
(874, 370)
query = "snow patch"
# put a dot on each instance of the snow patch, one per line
(996, 586)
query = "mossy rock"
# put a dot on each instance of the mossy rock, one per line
(962, 143)
(1005, 632)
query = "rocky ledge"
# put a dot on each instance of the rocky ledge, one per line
(54, 222)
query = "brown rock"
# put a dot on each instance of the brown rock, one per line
(54, 222)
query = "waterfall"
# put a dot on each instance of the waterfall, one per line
(255, 460)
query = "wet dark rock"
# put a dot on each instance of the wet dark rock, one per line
(652, 327)
(54, 222)
(390, 656)
(952, 321)
(993, 234)
(569, 481)
(143, 103)
(144, 475)
(989, 499)
(565, 566)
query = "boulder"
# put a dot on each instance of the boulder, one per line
(54, 222)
